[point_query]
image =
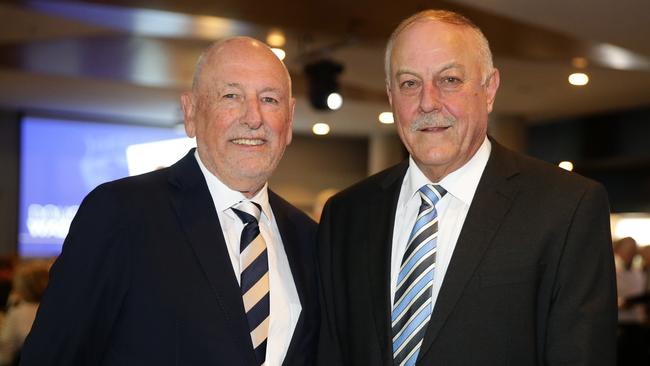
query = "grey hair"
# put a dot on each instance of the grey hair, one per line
(449, 17)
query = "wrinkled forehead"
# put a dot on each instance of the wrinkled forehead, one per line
(430, 41)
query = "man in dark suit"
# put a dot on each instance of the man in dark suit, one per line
(467, 253)
(199, 263)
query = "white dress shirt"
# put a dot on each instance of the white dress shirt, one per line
(285, 305)
(452, 210)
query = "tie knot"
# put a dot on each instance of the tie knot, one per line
(432, 193)
(247, 211)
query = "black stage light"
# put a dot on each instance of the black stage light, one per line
(322, 76)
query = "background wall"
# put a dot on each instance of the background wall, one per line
(312, 164)
(613, 148)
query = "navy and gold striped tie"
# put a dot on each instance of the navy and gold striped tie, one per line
(412, 306)
(254, 265)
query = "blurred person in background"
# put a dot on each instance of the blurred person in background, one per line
(29, 283)
(7, 264)
(630, 280)
(644, 253)
(631, 283)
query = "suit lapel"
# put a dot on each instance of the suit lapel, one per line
(196, 212)
(494, 196)
(291, 245)
(381, 219)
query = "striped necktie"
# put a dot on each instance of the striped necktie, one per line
(254, 265)
(412, 307)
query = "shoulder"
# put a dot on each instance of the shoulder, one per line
(185, 173)
(129, 190)
(537, 175)
(123, 202)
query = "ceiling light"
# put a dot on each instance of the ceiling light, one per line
(579, 62)
(276, 38)
(334, 101)
(566, 165)
(619, 58)
(578, 79)
(386, 118)
(279, 52)
(322, 77)
(320, 129)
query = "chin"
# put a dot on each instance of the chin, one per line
(437, 156)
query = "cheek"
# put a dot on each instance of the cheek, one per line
(278, 123)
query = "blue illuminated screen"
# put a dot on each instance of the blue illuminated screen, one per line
(61, 162)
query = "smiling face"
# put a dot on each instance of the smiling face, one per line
(241, 112)
(439, 100)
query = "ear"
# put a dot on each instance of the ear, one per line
(390, 97)
(491, 89)
(187, 105)
(292, 107)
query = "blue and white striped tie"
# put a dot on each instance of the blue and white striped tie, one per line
(254, 264)
(412, 307)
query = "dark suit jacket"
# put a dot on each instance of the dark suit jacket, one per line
(531, 280)
(144, 278)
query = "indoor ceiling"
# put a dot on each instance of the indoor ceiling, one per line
(128, 60)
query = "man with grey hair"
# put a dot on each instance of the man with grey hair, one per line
(199, 263)
(467, 253)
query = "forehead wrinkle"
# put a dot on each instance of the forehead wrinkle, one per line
(271, 89)
(445, 67)
(452, 65)
(263, 90)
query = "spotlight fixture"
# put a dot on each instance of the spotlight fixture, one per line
(579, 62)
(322, 76)
(320, 128)
(334, 101)
(578, 79)
(566, 165)
(279, 52)
(386, 118)
(276, 38)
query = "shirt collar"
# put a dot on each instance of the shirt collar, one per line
(224, 197)
(461, 183)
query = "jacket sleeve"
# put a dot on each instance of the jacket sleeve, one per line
(582, 314)
(88, 283)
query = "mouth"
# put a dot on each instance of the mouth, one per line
(248, 142)
(433, 129)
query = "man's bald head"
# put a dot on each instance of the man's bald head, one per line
(237, 45)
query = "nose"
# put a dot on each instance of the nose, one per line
(430, 98)
(252, 115)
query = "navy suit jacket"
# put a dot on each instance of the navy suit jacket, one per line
(531, 280)
(144, 278)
